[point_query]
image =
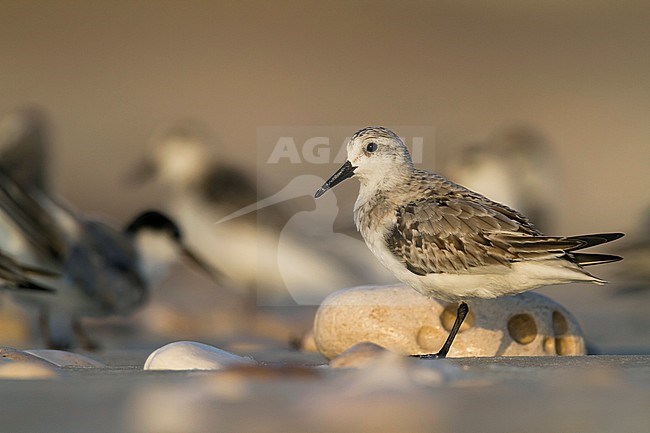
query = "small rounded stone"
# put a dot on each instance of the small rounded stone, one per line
(428, 338)
(549, 346)
(358, 355)
(190, 355)
(304, 342)
(448, 317)
(522, 328)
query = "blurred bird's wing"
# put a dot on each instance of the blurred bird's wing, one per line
(113, 279)
(117, 251)
(37, 225)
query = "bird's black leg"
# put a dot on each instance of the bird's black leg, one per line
(461, 313)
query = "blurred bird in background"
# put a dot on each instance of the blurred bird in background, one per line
(634, 272)
(85, 266)
(515, 166)
(201, 192)
(24, 134)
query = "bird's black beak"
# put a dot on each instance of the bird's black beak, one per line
(345, 172)
(197, 263)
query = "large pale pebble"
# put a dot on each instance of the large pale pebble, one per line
(402, 320)
(190, 355)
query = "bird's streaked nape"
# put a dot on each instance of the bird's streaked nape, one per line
(448, 242)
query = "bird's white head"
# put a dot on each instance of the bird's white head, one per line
(158, 243)
(177, 157)
(377, 156)
(180, 154)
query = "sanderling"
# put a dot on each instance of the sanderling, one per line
(96, 270)
(448, 242)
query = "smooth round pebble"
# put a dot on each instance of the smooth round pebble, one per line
(190, 355)
(358, 355)
(306, 342)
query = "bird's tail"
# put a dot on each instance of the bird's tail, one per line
(586, 241)
(588, 259)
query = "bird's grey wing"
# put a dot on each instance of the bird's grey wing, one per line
(104, 265)
(454, 235)
(112, 245)
(36, 224)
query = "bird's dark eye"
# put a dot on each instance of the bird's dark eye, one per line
(371, 147)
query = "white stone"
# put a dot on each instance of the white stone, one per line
(190, 355)
(402, 320)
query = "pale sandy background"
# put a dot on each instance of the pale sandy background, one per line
(109, 73)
